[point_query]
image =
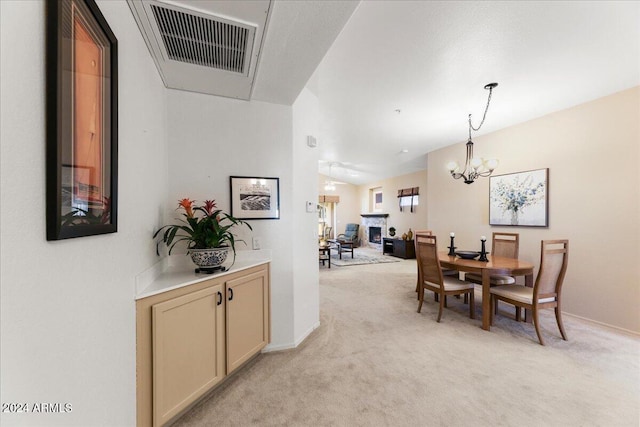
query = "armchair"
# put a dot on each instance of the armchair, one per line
(350, 235)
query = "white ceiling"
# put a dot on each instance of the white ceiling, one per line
(298, 36)
(432, 59)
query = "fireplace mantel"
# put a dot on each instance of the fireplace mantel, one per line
(374, 215)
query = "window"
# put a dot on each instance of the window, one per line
(409, 201)
(408, 197)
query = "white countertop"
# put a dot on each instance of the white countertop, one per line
(176, 271)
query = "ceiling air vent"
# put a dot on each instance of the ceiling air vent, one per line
(197, 40)
(213, 49)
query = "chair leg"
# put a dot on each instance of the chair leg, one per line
(420, 298)
(560, 326)
(536, 323)
(472, 306)
(466, 298)
(443, 299)
(518, 313)
(495, 307)
(492, 312)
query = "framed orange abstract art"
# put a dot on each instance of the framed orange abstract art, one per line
(82, 121)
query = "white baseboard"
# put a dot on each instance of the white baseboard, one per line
(606, 325)
(288, 346)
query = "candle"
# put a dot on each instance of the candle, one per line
(452, 234)
(483, 238)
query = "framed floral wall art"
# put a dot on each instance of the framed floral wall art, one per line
(520, 199)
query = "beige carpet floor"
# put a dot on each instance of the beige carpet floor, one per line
(374, 361)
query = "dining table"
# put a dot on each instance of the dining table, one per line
(494, 265)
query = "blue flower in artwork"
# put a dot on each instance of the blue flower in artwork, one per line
(517, 194)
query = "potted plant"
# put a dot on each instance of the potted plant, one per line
(206, 230)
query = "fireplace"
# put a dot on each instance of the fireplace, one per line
(375, 234)
(374, 228)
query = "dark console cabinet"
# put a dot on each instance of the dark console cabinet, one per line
(398, 248)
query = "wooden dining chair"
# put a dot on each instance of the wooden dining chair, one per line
(505, 245)
(431, 277)
(547, 289)
(445, 271)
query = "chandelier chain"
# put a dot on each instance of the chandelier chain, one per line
(484, 116)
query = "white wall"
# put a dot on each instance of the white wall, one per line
(67, 307)
(212, 138)
(306, 288)
(592, 152)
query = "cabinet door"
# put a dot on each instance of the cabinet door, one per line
(188, 350)
(247, 317)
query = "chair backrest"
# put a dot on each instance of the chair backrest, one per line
(421, 234)
(351, 230)
(554, 255)
(427, 257)
(505, 245)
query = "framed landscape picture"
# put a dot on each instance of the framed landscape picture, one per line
(255, 197)
(82, 121)
(520, 199)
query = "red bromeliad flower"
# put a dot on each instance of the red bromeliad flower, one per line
(205, 227)
(209, 206)
(187, 205)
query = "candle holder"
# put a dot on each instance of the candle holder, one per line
(452, 249)
(483, 252)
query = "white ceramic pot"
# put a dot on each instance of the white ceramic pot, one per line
(209, 258)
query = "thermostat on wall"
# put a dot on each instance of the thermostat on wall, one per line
(311, 207)
(311, 141)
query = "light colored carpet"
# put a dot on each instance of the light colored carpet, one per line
(374, 361)
(361, 256)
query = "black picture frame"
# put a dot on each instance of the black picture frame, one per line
(255, 197)
(81, 121)
(520, 199)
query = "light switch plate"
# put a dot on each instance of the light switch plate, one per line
(255, 243)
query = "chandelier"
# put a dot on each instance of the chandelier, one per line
(330, 185)
(475, 167)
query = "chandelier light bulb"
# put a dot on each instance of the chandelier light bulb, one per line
(452, 166)
(476, 162)
(491, 164)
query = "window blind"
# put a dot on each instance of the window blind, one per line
(408, 193)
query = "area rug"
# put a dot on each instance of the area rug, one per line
(360, 256)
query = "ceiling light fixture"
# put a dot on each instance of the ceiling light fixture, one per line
(475, 167)
(329, 185)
